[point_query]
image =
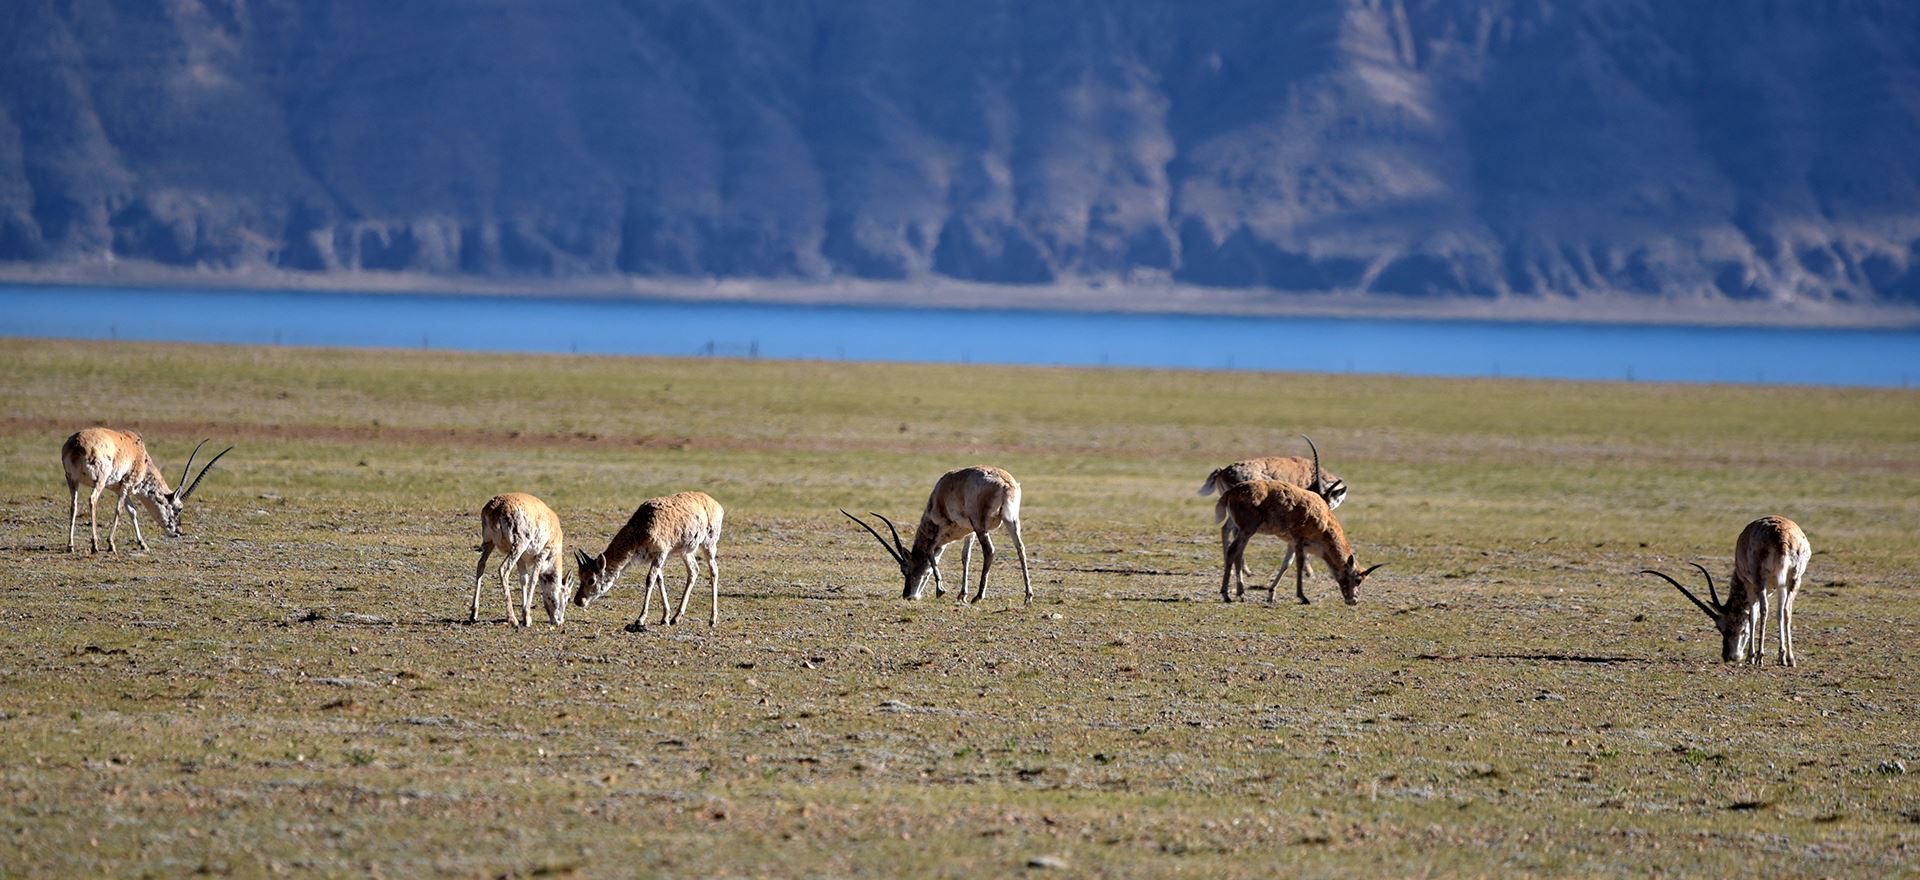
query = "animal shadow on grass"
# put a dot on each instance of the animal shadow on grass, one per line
(1546, 658)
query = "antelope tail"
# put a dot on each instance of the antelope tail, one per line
(1208, 487)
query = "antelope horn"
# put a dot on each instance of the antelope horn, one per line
(896, 537)
(1704, 609)
(203, 474)
(185, 471)
(1710, 590)
(1315, 485)
(1370, 569)
(876, 535)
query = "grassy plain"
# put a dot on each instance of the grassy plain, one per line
(293, 688)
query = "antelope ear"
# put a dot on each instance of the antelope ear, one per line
(581, 559)
(1351, 562)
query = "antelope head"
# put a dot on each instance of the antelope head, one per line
(1729, 618)
(1349, 579)
(593, 580)
(165, 505)
(914, 567)
(556, 590)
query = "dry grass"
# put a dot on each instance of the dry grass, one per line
(293, 686)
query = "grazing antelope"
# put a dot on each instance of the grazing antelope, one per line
(684, 523)
(966, 503)
(1771, 555)
(526, 531)
(1297, 515)
(103, 458)
(1287, 469)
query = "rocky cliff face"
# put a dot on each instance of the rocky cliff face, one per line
(1479, 148)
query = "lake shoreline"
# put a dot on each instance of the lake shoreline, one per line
(1154, 298)
(667, 326)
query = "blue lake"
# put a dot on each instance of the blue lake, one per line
(606, 326)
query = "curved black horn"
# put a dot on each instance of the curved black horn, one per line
(1710, 590)
(1370, 570)
(184, 493)
(1709, 612)
(1315, 484)
(185, 471)
(896, 537)
(876, 535)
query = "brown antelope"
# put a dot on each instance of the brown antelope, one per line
(1771, 555)
(684, 523)
(966, 503)
(526, 531)
(1287, 469)
(103, 458)
(1296, 515)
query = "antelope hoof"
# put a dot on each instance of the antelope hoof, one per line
(636, 627)
(1305, 601)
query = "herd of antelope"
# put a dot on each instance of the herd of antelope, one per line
(1288, 497)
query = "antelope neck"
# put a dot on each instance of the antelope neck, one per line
(618, 555)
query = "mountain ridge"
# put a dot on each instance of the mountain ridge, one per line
(1493, 150)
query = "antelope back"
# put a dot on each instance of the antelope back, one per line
(104, 455)
(516, 520)
(978, 497)
(1286, 469)
(689, 519)
(1770, 550)
(671, 522)
(1278, 507)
